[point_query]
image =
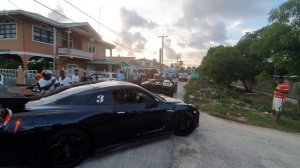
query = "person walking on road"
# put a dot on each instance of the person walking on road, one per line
(280, 93)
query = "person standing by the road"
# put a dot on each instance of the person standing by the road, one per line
(84, 78)
(135, 77)
(280, 93)
(121, 76)
(75, 77)
(63, 79)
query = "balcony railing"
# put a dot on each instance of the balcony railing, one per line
(71, 52)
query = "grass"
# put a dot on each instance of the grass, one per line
(254, 108)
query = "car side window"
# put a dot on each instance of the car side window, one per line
(101, 98)
(77, 99)
(131, 96)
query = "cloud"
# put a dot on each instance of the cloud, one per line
(195, 11)
(55, 16)
(131, 18)
(205, 35)
(169, 52)
(209, 21)
(135, 40)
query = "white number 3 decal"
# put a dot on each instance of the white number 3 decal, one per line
(100, 99)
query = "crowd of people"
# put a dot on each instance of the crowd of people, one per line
(47, 82)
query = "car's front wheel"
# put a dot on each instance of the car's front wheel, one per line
(64, 149)
(185, 124)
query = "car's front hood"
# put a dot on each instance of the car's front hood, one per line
(170, 99)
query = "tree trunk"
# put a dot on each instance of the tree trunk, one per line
(245, 85)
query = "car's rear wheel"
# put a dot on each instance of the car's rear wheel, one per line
(185, 124)
(64, 149)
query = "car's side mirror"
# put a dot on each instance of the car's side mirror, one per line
(153, 104)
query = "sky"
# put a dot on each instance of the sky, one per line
(134, 26)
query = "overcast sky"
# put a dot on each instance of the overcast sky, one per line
(192, 26)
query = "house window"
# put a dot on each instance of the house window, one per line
(65, 41)
(103, 52)
(91, 47)
(8, 31)
(147, 64)
(42, 35)
(71, 68)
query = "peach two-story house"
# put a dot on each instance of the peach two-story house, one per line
(27, 35)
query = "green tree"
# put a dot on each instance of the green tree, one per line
(286, 13)
(256, 57)
(40, 64)
(224, 65)
(280, 43)
(172, 65)
(9, 63)
(180, 66)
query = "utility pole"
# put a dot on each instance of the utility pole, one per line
(99, 19)
(162, 52)
(54, 49)
(177, 57)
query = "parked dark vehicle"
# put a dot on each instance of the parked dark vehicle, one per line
(162, 86)
(61, 129)
(183, 77)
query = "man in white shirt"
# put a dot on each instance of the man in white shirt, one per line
(47, 81)
(63, 79)
(75, 77)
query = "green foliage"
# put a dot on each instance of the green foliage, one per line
(40, 64)
(224, 65)
(286, 13)
(9, 63)
(281, 43)
(263, 77)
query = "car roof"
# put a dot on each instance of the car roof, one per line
(83, 88)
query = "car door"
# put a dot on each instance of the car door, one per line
(126, 116)
(102, 123)
(96, 108)
(151, 115)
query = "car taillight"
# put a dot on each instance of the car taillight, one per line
(6, 119)
(17, 125)
(5, 116)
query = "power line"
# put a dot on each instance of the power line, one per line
(96, 20)
(53, 10)
(119, 44)
(126, 39)
(13, 4)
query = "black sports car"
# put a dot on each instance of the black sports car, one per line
(60, 130)
(162, 86)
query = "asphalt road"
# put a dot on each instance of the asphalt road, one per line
(217, 143)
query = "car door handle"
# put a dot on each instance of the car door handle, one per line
(121, 112)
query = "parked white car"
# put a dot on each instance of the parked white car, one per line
(104, 76)
(1, 81)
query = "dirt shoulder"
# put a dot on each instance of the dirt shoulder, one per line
(232, 103)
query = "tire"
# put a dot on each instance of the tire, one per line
(185, 124)
(175, 89)
(64, 149)
(171, 93)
